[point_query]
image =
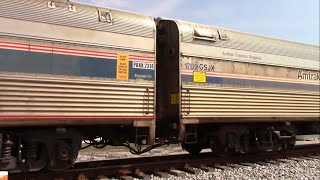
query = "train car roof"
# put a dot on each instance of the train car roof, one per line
(79, 15)
(206, 35)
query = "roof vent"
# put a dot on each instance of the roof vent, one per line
(61, 3)
(72, 8)
(51, 5)
(222, 35)
(204, 34)
(105, 16)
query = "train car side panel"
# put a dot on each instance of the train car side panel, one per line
(241, 89)
(81, 64)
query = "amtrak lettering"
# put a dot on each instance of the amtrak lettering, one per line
(241, 56)
(308, 75)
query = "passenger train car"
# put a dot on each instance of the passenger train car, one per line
(72, 66)
(71, 72)
(234, 91)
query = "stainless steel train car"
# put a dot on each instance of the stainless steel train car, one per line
(88, 70)
(72, 73)
(233, 91)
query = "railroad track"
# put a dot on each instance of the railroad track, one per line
(162, 166)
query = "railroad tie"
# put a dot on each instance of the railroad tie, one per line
(222, 167)
(273, 162)
(262, 163)
(141, 175)
(296, 159)
(205, 168)
(161, 174)
(308, 158)
(234, 165)
(248, 164)
(83, 177)
(315, 157)
(126, 177)
(191, 170)
(177, 173)
(283, 160)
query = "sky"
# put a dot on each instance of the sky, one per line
(293, 20)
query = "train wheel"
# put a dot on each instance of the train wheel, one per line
(193, 149)
(217, 147)
(63, 155)
(36, 156)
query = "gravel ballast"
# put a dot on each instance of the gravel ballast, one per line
(291, 170)
(304, 168)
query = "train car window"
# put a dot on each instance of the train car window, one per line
(105, 16)
(222, 35)
(204, 34)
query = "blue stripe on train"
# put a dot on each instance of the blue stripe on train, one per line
(253, 83)
(69, 65)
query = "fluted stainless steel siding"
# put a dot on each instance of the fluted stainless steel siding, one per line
(210, 102)
(57, 96)
(250, 42)
(86, 17)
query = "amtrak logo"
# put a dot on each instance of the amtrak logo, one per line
(308, 75)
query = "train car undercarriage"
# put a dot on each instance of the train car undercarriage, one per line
(56, 149)
(224, 139)
(32, 149)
